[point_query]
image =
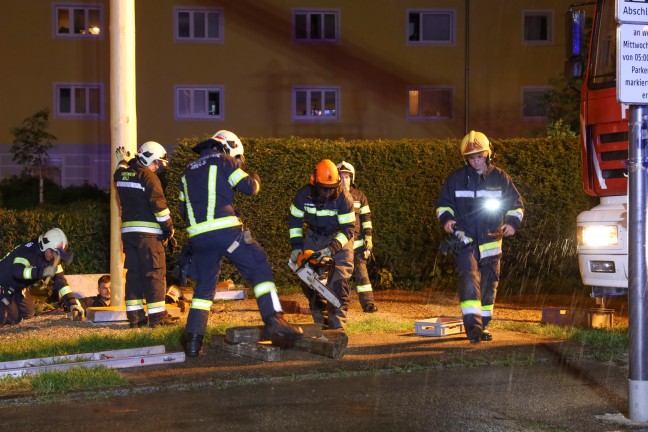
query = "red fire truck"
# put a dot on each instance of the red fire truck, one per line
(602, 231)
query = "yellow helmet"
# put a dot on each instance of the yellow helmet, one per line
(475, 142)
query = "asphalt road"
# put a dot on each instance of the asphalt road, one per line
(543, 397)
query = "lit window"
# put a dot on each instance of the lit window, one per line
(430, 103)
(431, 27)
(78, 21)
(198, 102)
(316, 26)
(537, 27)
(79, 100)
(316, 103)
(199, 25)
(534, 102)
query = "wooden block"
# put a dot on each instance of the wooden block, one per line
(332, 343)
(265, 352)
(255, 333)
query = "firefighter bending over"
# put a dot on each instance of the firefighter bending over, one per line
(327, 210)
(207, 190)
(146, 229)
(363, 244)
(28, 263)
(479, 206)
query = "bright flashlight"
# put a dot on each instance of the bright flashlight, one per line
(492, 204)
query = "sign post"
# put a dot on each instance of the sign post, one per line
(632, 89)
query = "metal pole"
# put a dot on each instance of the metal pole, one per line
(638, 324)
(123, 123)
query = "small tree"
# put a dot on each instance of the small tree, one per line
(31, 144)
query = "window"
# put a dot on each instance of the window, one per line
(193, 102)
(537, 27)
(78, 21)
(429, 103)
(79, 100)
(316, 26)
(316, 103)
(199, 25)
(431, 27)
(534, 102)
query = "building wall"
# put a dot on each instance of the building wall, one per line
(259, 63)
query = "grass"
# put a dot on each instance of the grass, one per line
(604, 344)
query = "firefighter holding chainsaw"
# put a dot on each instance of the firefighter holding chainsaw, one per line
(478, 206)
(363, 243)
(326, 208)
(215, 231)
(38, 259)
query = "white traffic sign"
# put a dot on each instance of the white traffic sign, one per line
(632, 64)
(632, 11)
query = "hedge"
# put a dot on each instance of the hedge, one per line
(402, 180)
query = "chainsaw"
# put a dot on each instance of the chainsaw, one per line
(314, 271)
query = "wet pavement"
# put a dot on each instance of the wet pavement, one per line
(405, 382)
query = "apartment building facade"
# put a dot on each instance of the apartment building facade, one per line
(328, 68)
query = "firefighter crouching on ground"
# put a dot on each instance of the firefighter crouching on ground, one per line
(327, 210)
(363, 244)
(207, 189)
(28, 263)
(479, 205)
(146, 229)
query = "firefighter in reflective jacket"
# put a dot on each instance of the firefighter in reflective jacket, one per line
(28, 263)
(207, 189)
(327, 210)
(363, 244)
(146, 228)
(479, 205)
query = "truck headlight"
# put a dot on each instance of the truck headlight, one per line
(597, 235)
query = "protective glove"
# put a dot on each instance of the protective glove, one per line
(368, 243)
(326, 252)
(172, 244)
(295, 254)
(122, 155)
(49, 271)
(76, 312)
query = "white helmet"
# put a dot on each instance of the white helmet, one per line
(151, 151)
(231, 144)
(53, 239)
(348, 168)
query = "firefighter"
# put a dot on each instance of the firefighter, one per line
(363, 244)
(207, 190)
(28, 263)
(146, 229)
(479, 205)
(327, 209)
(102, 299)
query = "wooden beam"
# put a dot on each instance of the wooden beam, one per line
(259, 351)
(255, 333)
(332, 343)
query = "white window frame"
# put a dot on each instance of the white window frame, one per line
(549, 15)
(192, 38)
(310, 12)
(451, 13)
(78, 86)
(192, 89)
(91, 34)
(526, 90)
(310, 90)
(420, 117)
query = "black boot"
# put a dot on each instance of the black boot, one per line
(192, 343)
(278, 329)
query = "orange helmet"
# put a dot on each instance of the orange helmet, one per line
(325, 175)
(475, 142)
